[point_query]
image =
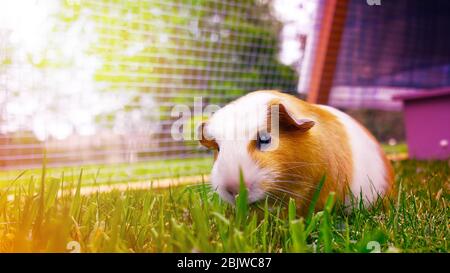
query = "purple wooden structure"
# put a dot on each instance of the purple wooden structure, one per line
(427, 120)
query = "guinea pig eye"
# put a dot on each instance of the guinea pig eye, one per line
(263, 140)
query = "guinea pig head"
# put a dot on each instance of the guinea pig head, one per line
(255, 134)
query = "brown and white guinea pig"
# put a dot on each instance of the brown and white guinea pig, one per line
(311, 141)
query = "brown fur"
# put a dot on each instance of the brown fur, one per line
(304, 157)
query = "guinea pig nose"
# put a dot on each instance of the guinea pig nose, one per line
(232, 190)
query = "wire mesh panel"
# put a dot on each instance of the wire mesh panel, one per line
(391, 47)
(93, 83)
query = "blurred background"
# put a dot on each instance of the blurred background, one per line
(91, 83)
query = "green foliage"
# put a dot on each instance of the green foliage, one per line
(182, 48)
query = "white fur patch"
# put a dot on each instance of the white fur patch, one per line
(368, 167)
(233, 127)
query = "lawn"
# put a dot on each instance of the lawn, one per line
(95, 174)
(195, 219)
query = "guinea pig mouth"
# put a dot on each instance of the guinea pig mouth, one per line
(254, 194)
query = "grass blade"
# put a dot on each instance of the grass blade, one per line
(241, 200)
(315, 199)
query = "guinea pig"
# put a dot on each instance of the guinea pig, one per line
(310, 141)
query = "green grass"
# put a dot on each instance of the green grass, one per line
(115, 173)
(395, 149)
(195, 219)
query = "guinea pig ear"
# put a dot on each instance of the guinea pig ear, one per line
(206, 140)
(289, 120)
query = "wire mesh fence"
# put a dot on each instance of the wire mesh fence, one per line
(390, 48)
(92, 83)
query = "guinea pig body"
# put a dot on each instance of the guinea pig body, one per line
(292, 154)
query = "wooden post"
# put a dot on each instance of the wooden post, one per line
(327, 50)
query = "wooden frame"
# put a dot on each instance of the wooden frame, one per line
(327, 50)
